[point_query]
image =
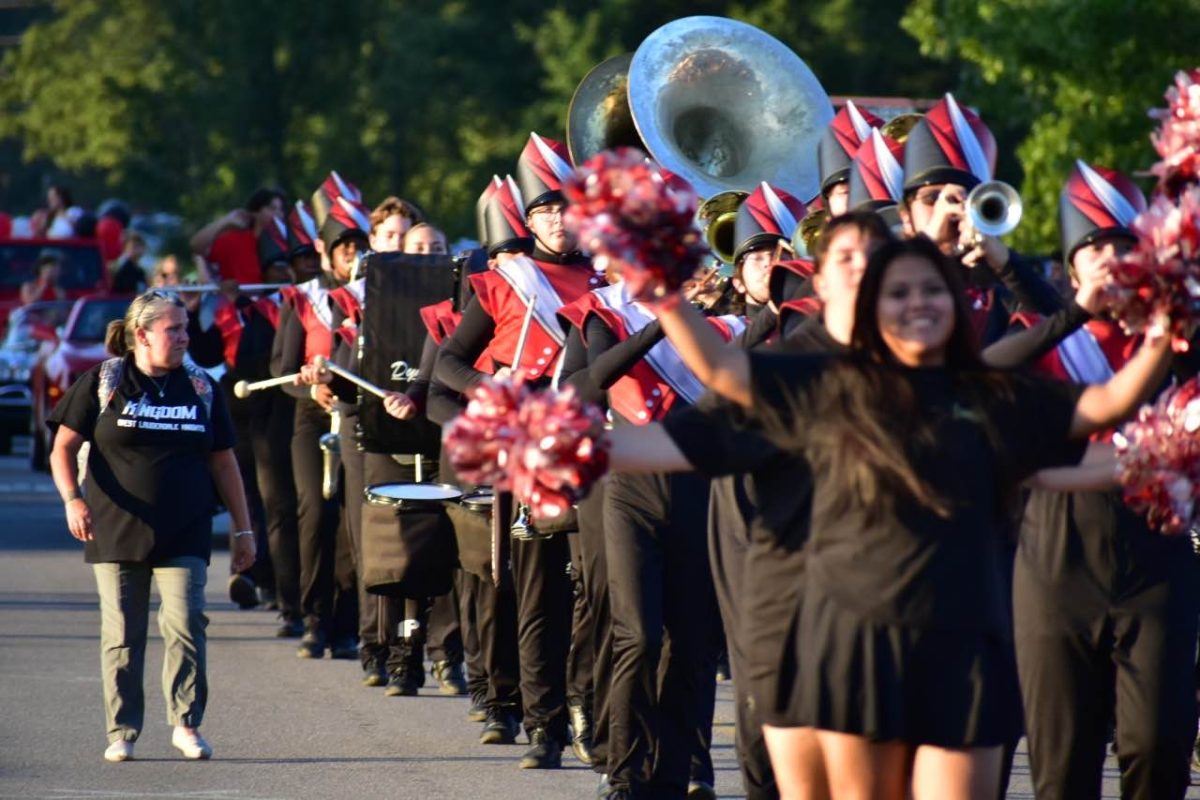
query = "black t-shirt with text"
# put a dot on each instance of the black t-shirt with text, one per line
(148, 485)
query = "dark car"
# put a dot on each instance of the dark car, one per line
(31, 330)
(80, 347)
(83, 270)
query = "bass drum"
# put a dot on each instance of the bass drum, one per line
(408, 541)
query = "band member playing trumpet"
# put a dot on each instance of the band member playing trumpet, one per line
(305, 331)
(485, 342)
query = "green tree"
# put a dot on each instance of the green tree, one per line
(1068, 78)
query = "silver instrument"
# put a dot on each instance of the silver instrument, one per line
(331, 452)
(994, 208)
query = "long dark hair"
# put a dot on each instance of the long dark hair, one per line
(862, 423)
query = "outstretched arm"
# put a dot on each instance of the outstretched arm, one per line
(720, 366)
(1104, 405)
(1097, 472)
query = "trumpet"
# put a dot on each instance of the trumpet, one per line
(716, 216)
(994, 208)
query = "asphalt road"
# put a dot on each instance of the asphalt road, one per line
(281, 727)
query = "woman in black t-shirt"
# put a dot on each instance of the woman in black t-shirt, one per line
(916, 449)
(159, 439)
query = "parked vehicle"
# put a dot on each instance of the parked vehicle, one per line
(31, 329)
(83, 269)
(80, 347)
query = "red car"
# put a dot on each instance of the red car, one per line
(79, 348)
(83, 270)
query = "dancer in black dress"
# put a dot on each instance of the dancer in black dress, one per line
(907, 669)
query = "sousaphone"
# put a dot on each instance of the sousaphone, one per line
(725, 106)
(598, 118)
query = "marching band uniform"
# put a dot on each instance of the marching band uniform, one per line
(1102, 603)
(484, 341)
(850, 127)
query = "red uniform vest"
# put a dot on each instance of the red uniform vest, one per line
(554, 285)
(644, 394)
(349, 299)
(310, 300)
(229, 322)
(440, 320)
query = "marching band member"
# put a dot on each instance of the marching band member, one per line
(851, 126)
(305, 331)
(555, 274)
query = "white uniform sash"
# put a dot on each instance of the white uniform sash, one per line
(528, 281)
(318, 297)
(662, 357)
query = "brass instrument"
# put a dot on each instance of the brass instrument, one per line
(598, 118)
(899, 126)
(725, 106)
(716, 216)
(994, 208)
(804, 238)
(331, 453)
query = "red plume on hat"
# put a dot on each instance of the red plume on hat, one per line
(1096, 202)
(481, 208)
(876, 176)
(767, 215)
(541, 169)
(850, 127)
(273, 242)
(346, 217)
(949, 145)
(325, 196)
(302, 228)
(504, 220)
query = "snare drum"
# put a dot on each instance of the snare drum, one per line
(480, 501)
(411, 496)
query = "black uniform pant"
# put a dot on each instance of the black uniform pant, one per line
(544, 613)
(580, 654)
(1082, 661)
(318, 525)
(468, 594)
(434, 621)
(728, 545)
(664, 616)
(595, 584)
(263, 425)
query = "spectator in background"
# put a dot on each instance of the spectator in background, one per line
(44, 285)
(424, 239)
(166, 272)
(6, 226)
(54, 221)
(231, 242)
(110, 228)
(128, 275)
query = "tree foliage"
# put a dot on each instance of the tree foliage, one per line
(190, 105)
(1066, 79)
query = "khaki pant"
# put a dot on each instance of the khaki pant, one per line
(124, 616)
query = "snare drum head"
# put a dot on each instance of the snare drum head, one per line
(480, 500)
(399, 493)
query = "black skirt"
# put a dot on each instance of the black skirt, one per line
(895, 683)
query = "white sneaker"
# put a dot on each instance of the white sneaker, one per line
(120, 750)
(189, 742)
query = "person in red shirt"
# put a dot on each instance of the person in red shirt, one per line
(231, 242)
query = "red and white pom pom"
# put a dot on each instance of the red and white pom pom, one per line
(546, 447)
(480, 440)
(561, 454)
(1159, 458)
(1160, 277)
(627, 212)
(1178, 138)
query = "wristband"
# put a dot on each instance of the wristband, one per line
(74, 494)
(240, 534)
(312, 391)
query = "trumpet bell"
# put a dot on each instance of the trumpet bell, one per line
(717, 216)
(994, 208)
(598, 118)
(725, 106)
(899, 126)
(330, 443)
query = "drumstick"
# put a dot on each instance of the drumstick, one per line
(203, 288)
(242, 389)
(321, 362)
(523, 336)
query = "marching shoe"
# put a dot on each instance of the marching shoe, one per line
(189, 742)
(543, 752)
(499, 727)
(449, 676)
(344, 648)
(120, 750)
(243, 591)
(312, 645)
(699, 790)
(290, 629)
(581, 733)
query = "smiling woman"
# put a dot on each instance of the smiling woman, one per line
(160, 438)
